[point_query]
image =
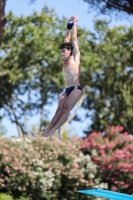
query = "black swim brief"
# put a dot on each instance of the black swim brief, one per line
(68, 90)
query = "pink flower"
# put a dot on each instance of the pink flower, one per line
(122, 183)
(112, 179)
(114, 188)
(110, 167)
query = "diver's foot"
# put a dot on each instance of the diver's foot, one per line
(43, 133)
(47, 133)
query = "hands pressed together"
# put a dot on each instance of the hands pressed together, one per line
(73, 18)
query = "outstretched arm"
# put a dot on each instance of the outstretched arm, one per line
(67, 36)
(67, 33)
(74, 38)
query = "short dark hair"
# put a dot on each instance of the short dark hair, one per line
(66, 45)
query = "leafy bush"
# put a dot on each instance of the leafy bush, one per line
(22, 198)
(112, 152)
(39, 168)
(5, 197)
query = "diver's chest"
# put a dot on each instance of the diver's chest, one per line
(70, 68)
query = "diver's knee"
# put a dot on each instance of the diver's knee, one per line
(60, 109)
(66, 109)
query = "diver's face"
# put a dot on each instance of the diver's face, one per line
(65, 53)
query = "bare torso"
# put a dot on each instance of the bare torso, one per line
(71, 72)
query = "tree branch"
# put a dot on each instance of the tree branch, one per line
(2, 18)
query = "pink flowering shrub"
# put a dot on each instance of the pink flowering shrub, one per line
(112, 152)
(40, 169)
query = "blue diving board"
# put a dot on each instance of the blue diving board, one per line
(106, 194)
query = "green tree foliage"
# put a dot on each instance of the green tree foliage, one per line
(2, 18)
(31, 70)
(45, 169)
(111, 6)
(107, 6)
(110, 77)
(2, 129)
(112, 152)
(30, 64)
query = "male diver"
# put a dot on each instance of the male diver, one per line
(71, 56)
